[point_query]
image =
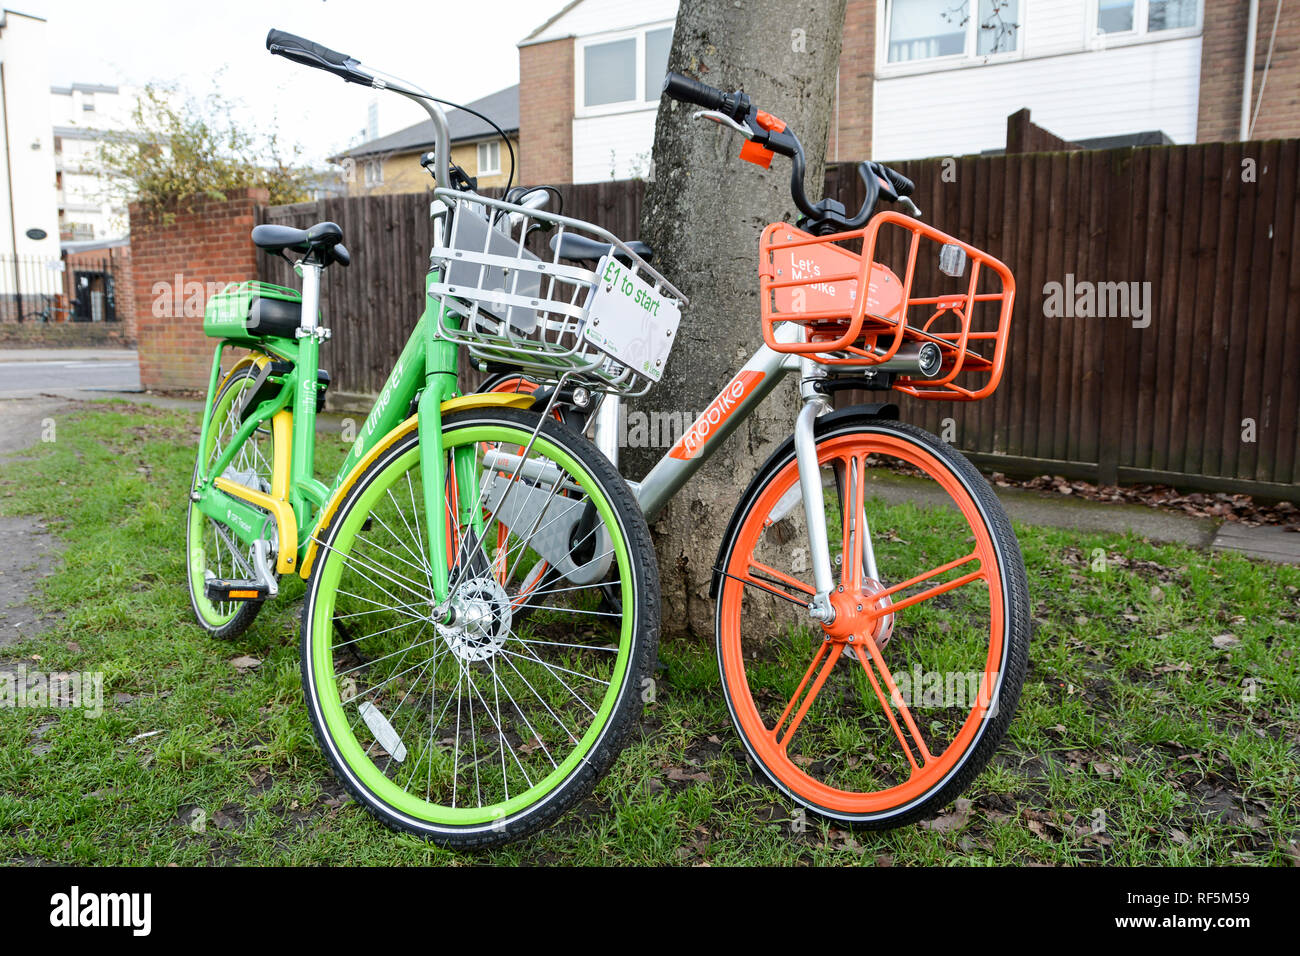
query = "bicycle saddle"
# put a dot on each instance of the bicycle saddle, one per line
(573, 246)
(325, 238)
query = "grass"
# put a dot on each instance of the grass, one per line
(1137, 740)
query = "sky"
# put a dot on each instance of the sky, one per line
(220, 46)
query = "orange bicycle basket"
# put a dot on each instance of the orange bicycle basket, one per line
(813, 282)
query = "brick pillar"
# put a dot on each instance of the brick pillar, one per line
(176, 265)
(546, 96)
(850, 139)
(1223, 52)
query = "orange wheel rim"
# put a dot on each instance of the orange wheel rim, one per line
(770, 740)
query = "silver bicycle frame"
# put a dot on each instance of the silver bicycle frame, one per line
(675, 468)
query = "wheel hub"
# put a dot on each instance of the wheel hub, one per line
(861, 614)
(481, 620)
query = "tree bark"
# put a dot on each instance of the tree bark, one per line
(703, 213)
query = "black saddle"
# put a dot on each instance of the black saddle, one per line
(323, 240)
(581, 249)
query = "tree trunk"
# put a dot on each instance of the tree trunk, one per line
(703, 213)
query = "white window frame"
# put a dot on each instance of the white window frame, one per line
(372, 173)
(639, 101)
(1094, 39)
(479, 150)
(969, 58)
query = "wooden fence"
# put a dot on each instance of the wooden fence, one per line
(1202, 391)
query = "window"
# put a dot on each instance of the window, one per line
(1130, 16)
(929, 29)
(657, 44)
(88, 102)
(609, 72)
(1114, 16)
(1171, 14)
(627, 71)
(489, 158)
(374, 173)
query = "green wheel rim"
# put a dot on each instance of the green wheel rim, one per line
(196, 559)
(325, 689)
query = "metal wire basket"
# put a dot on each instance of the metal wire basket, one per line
(610, 329)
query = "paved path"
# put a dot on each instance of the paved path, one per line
(27, 372)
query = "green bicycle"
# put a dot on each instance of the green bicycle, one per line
(481, 612)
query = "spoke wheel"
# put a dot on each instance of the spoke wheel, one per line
(210, 545)
(475, 731)
(887, 712)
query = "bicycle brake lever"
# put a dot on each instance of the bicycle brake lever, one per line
(909, 207)
(725, 120)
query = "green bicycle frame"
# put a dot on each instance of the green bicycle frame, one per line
(424, 375)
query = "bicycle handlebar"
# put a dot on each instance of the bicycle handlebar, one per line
(316, 55)
(773, 136)
(689, 90)
(342, 65)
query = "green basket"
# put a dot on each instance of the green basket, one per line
(227, 312)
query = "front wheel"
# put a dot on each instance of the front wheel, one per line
(885, 714)
(477, 731)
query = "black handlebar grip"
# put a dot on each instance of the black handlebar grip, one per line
(902, 185)
(687, 90)
(287, 44)
(313, 54)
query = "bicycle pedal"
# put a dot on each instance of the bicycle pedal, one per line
(221, 589)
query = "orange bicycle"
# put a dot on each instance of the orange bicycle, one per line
(872, 612)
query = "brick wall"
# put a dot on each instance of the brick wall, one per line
(1223, 52)
(546, 112)
(851, 134)
(206, 244)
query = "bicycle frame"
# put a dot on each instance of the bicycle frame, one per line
(424, 377)
(756, 379)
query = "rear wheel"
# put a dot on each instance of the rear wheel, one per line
(211, 547)
(887, 713)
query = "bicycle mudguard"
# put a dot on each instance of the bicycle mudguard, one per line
(887, 410)
(457, 404)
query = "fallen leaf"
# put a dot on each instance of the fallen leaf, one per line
(245, 663)
(1225, 640)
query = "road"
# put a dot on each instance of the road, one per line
(28, 372)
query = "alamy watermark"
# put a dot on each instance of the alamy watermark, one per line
(1083, 299)
(82, 691)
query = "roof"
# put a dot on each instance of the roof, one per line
(544, 26)
(83, 88)
(502, 106)
(90, 245)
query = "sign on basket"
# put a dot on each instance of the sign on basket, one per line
(629, 321)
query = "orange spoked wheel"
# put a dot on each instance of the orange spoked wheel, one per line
(885, 714)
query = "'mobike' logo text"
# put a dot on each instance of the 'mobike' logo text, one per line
(697, 436)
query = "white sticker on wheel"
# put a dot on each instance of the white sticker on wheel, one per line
(383, 731)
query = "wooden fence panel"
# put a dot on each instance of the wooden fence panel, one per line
(1213, 230)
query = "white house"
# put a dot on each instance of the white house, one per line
(945, 81)
(82, 114)
(925, 78)
(29, 219)
(619, 56)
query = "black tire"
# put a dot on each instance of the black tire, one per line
(1015, 592)
(247, 612)
(641, 658)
